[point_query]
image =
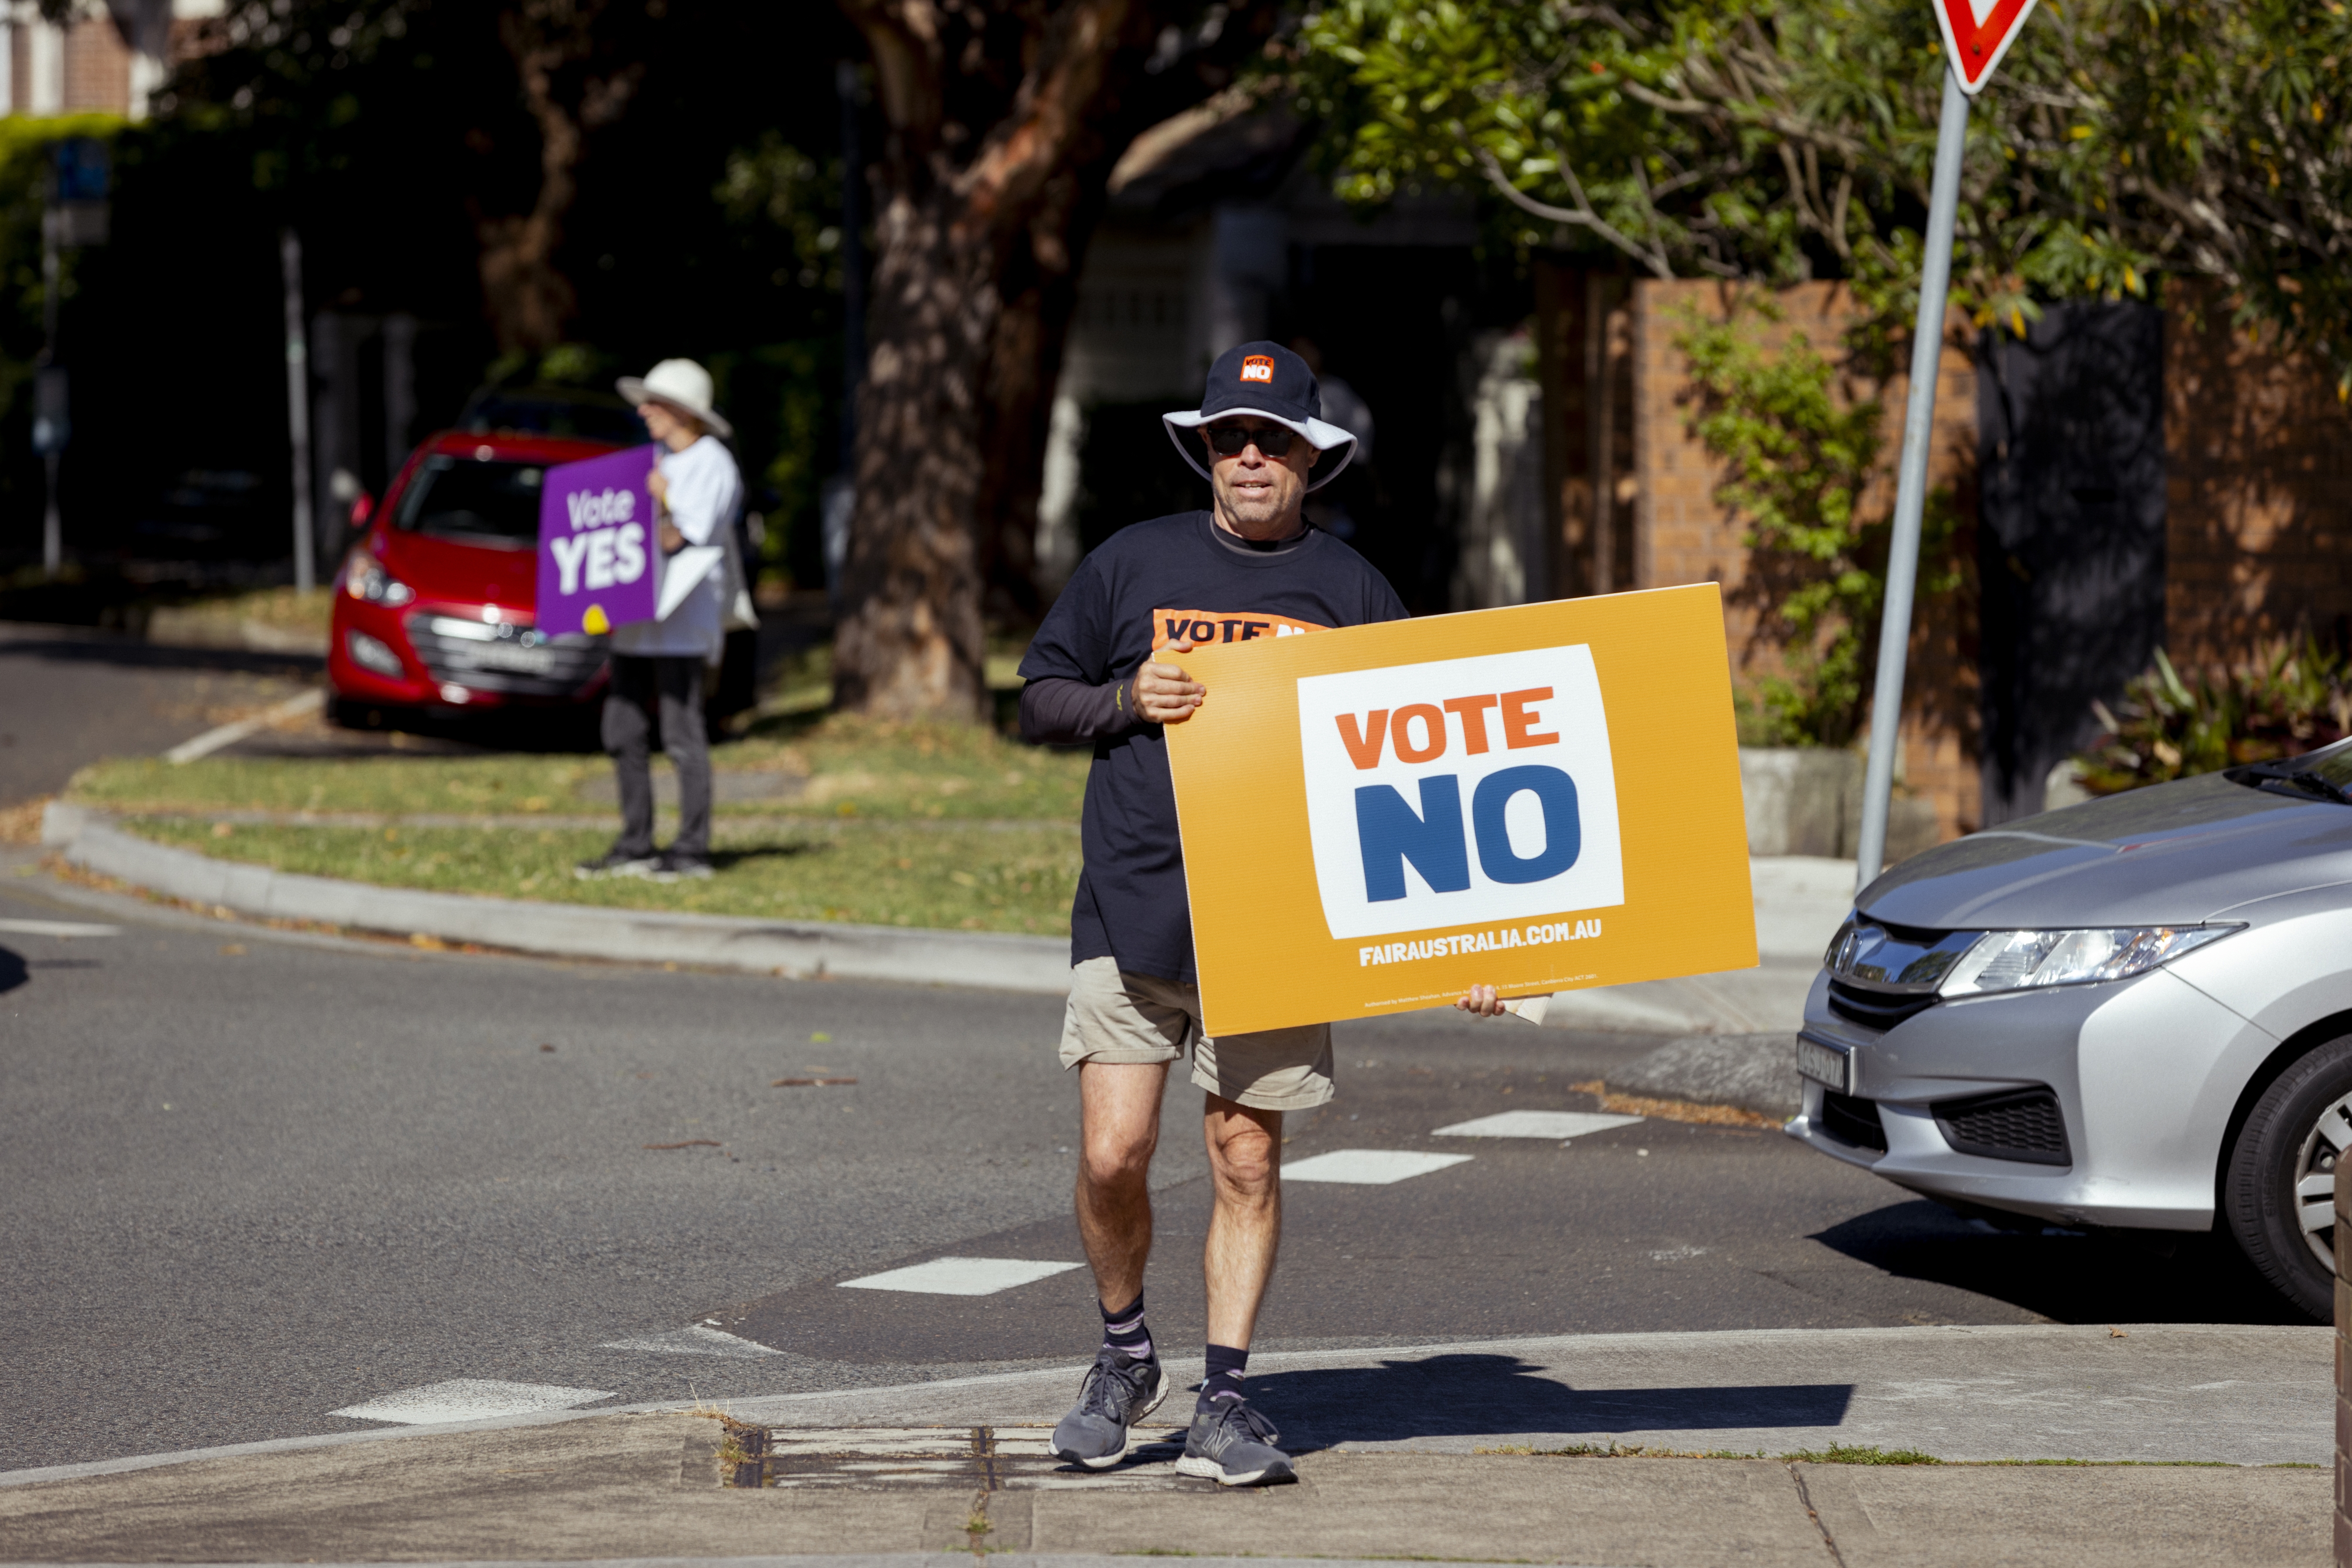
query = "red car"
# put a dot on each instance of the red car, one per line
(434, 605)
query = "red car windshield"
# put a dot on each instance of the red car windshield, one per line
(481, 500)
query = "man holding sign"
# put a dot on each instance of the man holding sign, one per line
(1249, 568)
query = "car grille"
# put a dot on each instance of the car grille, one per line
(517, 661)
(2021, 1124)
(1851, 1120)
(1878, 1009)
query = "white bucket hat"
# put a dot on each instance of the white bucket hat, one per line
(1267, 380)
(684, 386)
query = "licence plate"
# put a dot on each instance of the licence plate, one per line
(1822, 1063)
(521, 660)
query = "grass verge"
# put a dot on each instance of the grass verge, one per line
(839, 766)
(1017, 878)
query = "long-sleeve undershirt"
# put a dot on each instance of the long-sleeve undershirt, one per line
(1058, 712)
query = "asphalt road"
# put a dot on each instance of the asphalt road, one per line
(73, 695)
(255, 1178)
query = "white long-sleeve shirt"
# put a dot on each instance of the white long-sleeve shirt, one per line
(705, 493)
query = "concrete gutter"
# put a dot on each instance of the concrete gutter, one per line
(798, 949)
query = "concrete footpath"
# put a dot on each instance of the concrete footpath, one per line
(2205, 1444)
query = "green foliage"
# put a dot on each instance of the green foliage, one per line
(25, 154)
(1802, 447)
(2292, 695)
(1773, 139)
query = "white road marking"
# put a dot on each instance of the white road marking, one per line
(1369, 1167)
(695, 1340)
(1536, 1124)
(961, 1276)
(56, 928)
(214, 740)
(468, 1399)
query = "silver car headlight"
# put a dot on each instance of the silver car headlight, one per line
(2024, 959)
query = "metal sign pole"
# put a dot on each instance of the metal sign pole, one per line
(298, 410)
(1911, 485)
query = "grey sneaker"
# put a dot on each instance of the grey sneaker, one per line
(614, 863)
(1119, 1392)
(1234, 1445)
(674, 867)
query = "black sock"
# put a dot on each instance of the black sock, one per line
(1124, 1331)
(1226, 1367)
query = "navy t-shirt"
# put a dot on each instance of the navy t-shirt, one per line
(1143, 588)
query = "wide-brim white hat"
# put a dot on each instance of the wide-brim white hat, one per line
(1319, 434)
(1268, 381)
(681, 383)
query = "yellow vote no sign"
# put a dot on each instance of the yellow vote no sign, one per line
(1542, 799)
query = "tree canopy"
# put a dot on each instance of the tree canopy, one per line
(1776, 140)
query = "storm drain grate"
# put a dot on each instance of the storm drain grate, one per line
(944, 1458)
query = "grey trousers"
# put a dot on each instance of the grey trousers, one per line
(674, 687)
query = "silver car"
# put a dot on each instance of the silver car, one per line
(2133, 1013)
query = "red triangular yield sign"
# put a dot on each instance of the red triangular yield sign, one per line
(1977, 32)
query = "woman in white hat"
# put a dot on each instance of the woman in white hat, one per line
(659, 664)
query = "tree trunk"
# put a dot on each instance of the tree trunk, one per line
(525, 294)
(910, 645)
(1003, 122)
(1039, 290)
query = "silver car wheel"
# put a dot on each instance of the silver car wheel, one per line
(2314, 1179)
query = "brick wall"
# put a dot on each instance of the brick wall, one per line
(2258, 489)
(1685, 535)
(98, 68)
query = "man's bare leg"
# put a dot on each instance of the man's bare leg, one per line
(1231, 1443)
(1118, 1107)
(1246, 1225)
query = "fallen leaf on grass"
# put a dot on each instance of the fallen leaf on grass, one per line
(689, 1144)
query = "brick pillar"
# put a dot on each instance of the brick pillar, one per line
(2343, 1364)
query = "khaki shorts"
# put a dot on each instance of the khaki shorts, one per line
(1120, 1017)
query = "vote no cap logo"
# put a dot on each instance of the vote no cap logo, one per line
(1460, 790)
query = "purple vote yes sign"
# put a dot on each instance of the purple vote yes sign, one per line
(596, 547)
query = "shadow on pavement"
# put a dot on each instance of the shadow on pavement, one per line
(13, 972)
(127, 652)
(1465, 1395)
(2096, 1276)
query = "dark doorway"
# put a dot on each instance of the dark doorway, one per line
(2070, 425)
(1391, 320)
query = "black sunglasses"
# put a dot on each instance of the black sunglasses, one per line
(1274, 440)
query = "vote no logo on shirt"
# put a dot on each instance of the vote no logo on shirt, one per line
(1460, 790)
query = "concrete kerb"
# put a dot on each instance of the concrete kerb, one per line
(797, 948)
(1798, 901)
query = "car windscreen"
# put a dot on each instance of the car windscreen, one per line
(478, 500)
(2321, 775)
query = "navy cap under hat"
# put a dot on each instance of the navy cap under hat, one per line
(1267, 380)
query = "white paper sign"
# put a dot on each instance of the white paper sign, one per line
(682, 571)
(1460, 790)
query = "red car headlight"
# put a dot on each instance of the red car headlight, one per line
(365, 578)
